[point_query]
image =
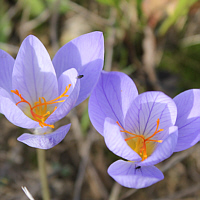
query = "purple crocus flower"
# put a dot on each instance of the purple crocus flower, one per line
(138, 128)
(188, 119)
(35, 92)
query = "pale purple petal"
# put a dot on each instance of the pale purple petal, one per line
(69, 76)
(86, 54)
(146, 109)
(14, 114)
(188, 118)
(6, 69)
(130, 175)
(33, 74)
(164, 149)
(116, 143)
(66, 78)
(45, 141)
(111, 98)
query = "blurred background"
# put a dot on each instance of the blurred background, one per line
(155, 42)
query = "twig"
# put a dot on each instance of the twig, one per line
(54, 25)
(9, 47)
(116, 189)
(176, 159)
(88, 14)
(182, 193)
(110, 40)
(84, 153)
(190, 40)
(27, 193)
(24, 20)
(30, 25)
(96, 183)
(76, 125)
(13, 10)
(149, 47)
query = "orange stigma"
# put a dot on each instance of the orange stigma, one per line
(140, 145)
(39, 111)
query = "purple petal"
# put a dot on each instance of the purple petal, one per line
(14, 114)
(86, 54)
(111, 98)
(6, 69)
(46, 141)
(188, 118)
(33, 74)
(130, 175)
(116, 143)
(164, 149)
(146, 109)
(68, 77)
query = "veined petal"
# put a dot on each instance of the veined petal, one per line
(6, 69)
(45, 141)
(14, 114)
(164, 150)
(188, 118)
(68, 77)
(130, 175)
(33, 74)
(111, 98)
(116, 143)
(86, 54)
(146, 109)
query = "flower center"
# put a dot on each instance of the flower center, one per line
(39, 111)
(140, 144)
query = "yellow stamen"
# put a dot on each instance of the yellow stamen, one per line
(141, 147)
(39, 110)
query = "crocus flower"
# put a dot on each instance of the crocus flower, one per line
(35, 92)
(138, 128)
(188, 119)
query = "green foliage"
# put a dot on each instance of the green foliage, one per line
(109, 2)
(5, 24)
(85, 121)
(35, 7)
(64, 7)
(182, 9)
(185, 64)
(139, 8)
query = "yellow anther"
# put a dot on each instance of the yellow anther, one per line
(141, 140)
(39, 110)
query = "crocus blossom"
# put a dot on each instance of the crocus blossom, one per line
(188, 119)
(35, 92)
(139, 128)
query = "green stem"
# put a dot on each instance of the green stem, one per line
(43, 174)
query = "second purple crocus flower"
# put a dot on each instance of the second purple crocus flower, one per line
(139, 128)
(188, 118)
(35, 92)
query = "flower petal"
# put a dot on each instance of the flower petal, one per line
(46, 141)
(68, 77)
(116, 143)
(163, 150)
(111, 98)
(146, 109)
(6, 69)
(14, 114)
(33, 74)
(188, 118)
(130, 175)
(86, 54)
